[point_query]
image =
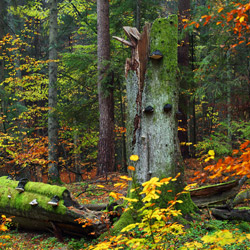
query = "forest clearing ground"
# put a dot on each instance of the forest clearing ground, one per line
(94, 190)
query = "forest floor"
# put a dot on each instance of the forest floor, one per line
(96, 190)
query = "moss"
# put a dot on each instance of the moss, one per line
(241, 196)
(186, 207)
(244, 227)
(166, 40)
(33, 190)
(243, 208)
(214, 185)
(126, 219)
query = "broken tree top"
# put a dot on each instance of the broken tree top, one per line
(41, 206)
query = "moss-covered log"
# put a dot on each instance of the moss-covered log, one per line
(44, 216)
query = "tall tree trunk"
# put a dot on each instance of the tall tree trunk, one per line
(52, 118)
(2, 25)
(152, 112)
(105, 91)
(151, 129)
(138, 14)
(2, 33)
(183, 61)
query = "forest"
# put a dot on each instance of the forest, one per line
(124, 124)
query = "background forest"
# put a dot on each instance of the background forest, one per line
(51, 112)
(214, 81)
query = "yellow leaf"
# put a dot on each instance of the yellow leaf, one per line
(242, 19)
(124, 177)
(116, 196)
(211, 152)
(165, 180)
(100, 186)
(129, 227)
(179, 201)
(131, 168)
(207, 159)
(134, 158)
(3, 228)
(130, 200)
(220, 9)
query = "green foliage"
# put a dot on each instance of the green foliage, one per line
(220, 142)
(154, 227)
(217, 142)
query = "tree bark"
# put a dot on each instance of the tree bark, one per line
(138, 15)
(235, 214)
(183, 61)
(152, 105)
(218, 194)
(106, 149)
(153, 135)
(52, 118)
(2, 33)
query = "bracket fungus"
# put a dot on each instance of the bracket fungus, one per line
(156, 55)
(167, 108)
(148, 110)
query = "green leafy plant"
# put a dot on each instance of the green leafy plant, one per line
(220, 142)
(157, 227)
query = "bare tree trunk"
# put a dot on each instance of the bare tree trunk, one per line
(153, 100)
(138, 15)
(2, 25)
(53, 119)
(152, 111)
(2, 31)
(105, 91)
(78, 176)
(183, 61)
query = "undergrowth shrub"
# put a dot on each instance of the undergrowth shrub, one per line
(3, 228)
(220, 142)
(157, 227)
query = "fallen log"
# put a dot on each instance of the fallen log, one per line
(218, 194)
(234, 214)
(35, 209)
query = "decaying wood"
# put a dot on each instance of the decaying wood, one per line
(125, 42)
(213, 195)
(139, 44)
(61, 219)
(242, 197)
(234, 214)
